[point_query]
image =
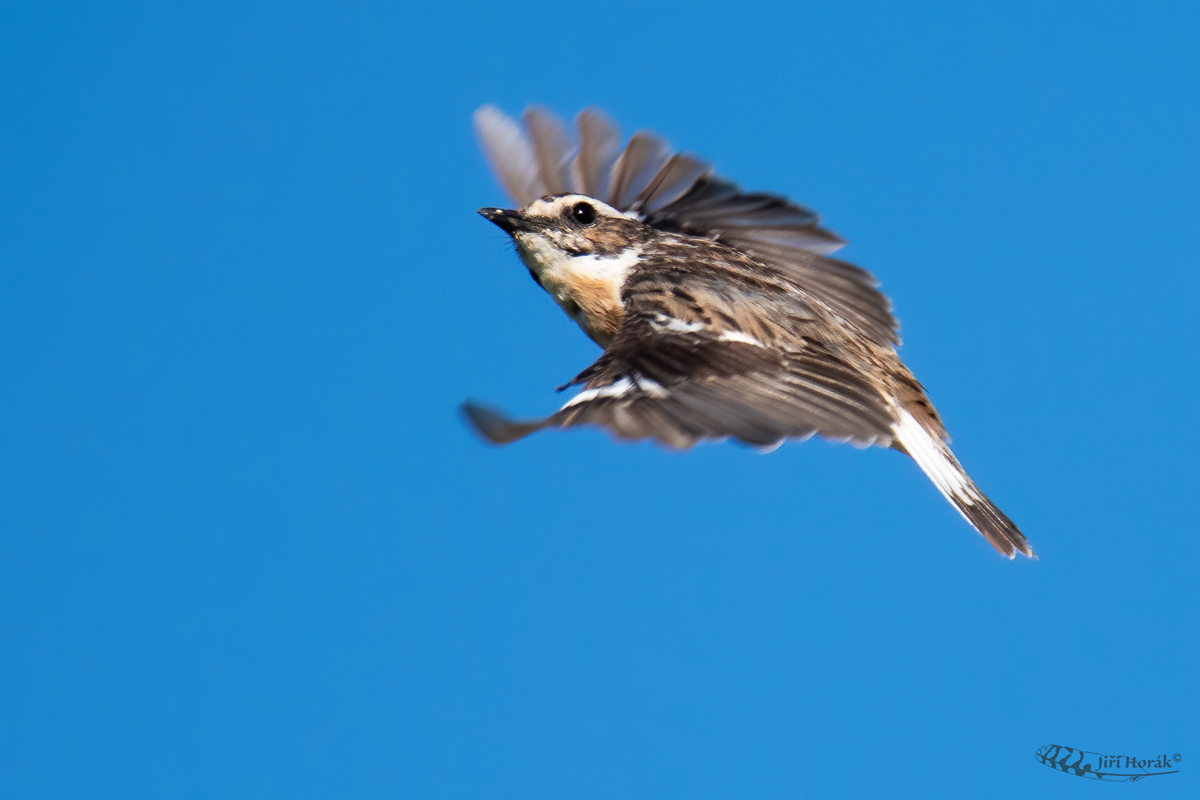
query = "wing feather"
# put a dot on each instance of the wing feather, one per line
(644, 157)
(848, 290)
(509, 154)
(676, 177)
(551, 149)
(599, 144)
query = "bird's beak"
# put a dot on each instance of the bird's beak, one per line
(508, 221)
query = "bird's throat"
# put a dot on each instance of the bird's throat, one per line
(587, 287)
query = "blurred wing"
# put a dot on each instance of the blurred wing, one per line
(787, 237)
(677, 192)
(510, 154)
(671, 376)
(552, 149)
(714, 206)
(599, 147)
(637, 169)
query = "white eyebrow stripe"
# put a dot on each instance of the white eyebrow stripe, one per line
(738, 336)
(621, 388)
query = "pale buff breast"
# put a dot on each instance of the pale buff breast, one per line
(587, 287)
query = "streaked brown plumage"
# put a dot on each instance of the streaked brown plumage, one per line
(720, 312)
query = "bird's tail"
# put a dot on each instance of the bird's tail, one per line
(934, 458)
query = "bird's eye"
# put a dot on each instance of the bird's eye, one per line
(583, 213)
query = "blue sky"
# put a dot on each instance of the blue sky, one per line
(250, 550)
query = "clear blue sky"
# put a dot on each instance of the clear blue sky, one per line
(250, 550)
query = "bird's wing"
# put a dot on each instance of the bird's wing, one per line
(699, 358)
(786, 237)
(678, 192)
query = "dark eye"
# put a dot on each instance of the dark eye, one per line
(583, 213)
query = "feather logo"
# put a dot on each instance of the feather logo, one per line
(1100, 767)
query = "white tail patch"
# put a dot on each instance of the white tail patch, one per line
(935, 460)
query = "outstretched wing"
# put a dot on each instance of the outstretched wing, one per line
(678, 192)
(698, 358)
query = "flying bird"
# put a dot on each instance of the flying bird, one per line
(720, 311)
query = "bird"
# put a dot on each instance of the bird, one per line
(721, 312)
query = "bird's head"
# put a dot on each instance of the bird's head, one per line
(572, 224)
(580, 250)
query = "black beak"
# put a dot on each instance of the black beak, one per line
(508, 221)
